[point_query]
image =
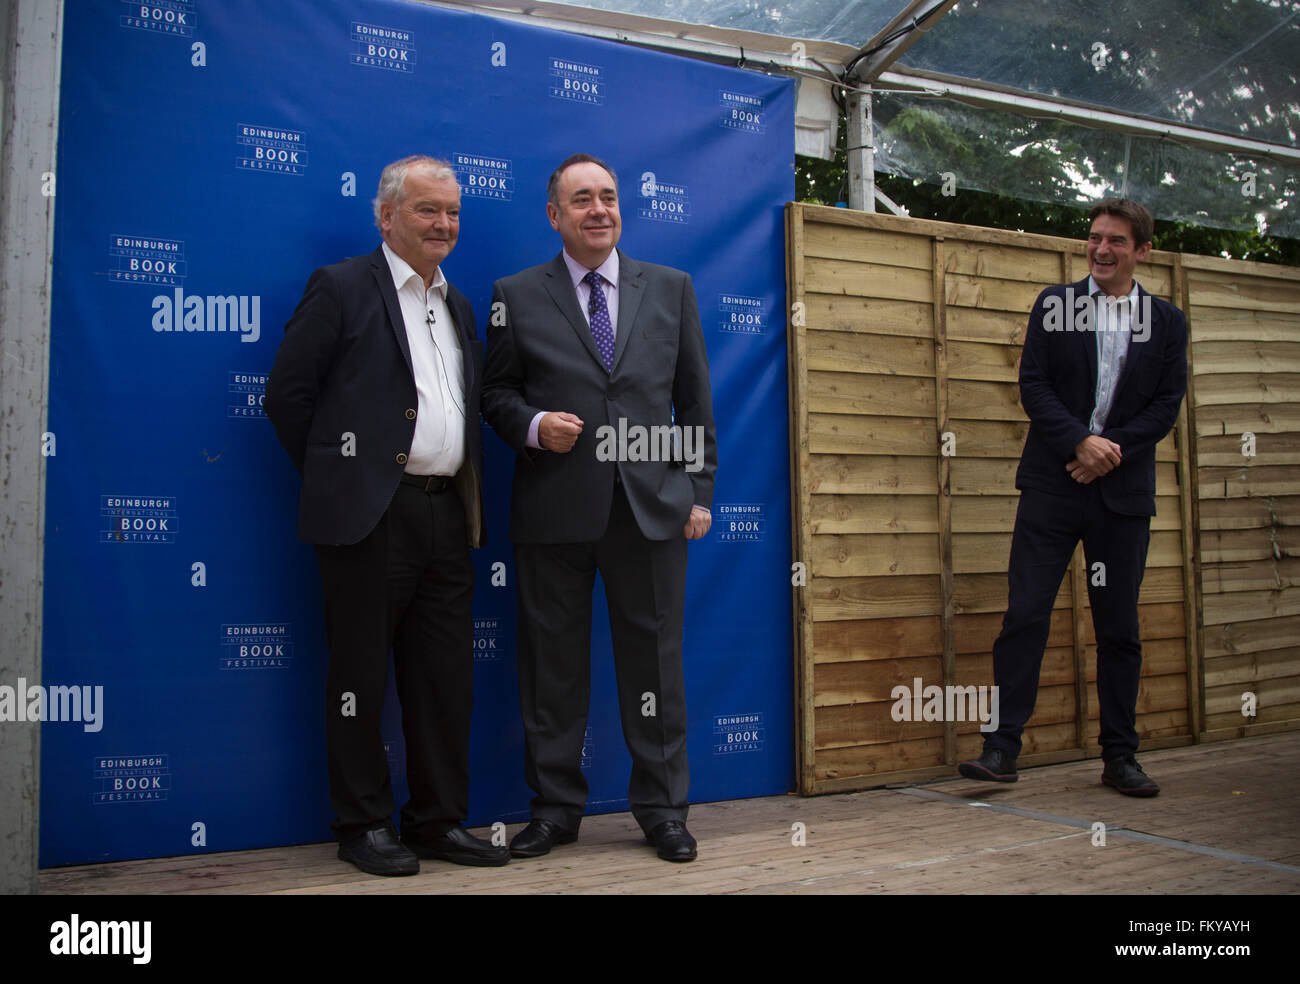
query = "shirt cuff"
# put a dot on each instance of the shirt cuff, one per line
(531, 441)
(705, 508)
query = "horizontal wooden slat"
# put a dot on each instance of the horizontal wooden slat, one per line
(1214, 324)
(979, 400)
(1246, 668)
(1247, 355)
(1254, 293)
(1250, 636)
(879, 316)
(1258, 575)
(1231, 546)
(874, 514)
(976, 633)
(1006, 262)
(877, 638)
(873, 554)
(1241, 514)
(1245, 387)
(990, 293)
(873, 474)
(1245, 606)
(1235, 419)
(867, 280)
(888, 355)
(1282, 691)
(997, 327)
(874, 597)
(1267, 450)
(1234, 483)
(841, 433)
(853, 392)
(889, 248)
(870, 760)
(978, 360)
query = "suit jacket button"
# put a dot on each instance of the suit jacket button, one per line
(401, 459)
(410, 414)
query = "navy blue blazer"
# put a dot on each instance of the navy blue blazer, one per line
(1058, 387)
(344, 367)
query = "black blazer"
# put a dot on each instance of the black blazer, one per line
(541, 356)
(344, 367)
(1058, 387)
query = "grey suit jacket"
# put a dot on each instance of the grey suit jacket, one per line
(542, 357)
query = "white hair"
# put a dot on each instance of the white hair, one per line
(392, 181)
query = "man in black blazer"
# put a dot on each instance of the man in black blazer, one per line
(1102, 374)
(375, 396)
(587, 355)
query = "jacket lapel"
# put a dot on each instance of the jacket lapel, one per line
(631, 289)
(1135, 349)
(1088, 339)
(384, 281)
(560, 287)
(466, 349)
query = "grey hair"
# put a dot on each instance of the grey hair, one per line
(553, 185)
(392, 181)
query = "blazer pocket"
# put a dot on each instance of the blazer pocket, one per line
(1148, 377)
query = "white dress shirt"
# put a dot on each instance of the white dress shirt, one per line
(438, 447)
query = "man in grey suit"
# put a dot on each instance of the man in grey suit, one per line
(597, 375)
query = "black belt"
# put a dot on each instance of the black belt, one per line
(427, 483)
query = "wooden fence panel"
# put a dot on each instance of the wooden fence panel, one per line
(906, 432)
(1245, 394)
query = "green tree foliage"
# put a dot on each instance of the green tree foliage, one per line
(1041, 167)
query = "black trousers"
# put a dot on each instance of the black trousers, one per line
(1048, 527)
(645, 587)
(407, 587)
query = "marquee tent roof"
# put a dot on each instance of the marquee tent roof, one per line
(1187, 104)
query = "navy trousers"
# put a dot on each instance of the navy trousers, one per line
(1048, 527)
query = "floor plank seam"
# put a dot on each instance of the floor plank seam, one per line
(1117, 829)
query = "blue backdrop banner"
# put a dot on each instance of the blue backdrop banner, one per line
(211, 155)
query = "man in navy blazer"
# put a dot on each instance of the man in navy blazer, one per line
(598, 376)
(1102, 375)
(375, 396)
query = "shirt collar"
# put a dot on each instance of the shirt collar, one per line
(608, 269)
(403, 272)
(1094, 290)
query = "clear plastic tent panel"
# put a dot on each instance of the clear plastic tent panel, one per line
(1226, 65)
(1050, 161)
(847, 21)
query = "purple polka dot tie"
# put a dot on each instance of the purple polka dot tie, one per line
(598, 314)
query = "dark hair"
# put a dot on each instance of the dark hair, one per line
(1139, 219)
(553, 185)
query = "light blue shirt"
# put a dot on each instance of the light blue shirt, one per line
(1112, 322)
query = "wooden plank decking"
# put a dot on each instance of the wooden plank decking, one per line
(1225, 822)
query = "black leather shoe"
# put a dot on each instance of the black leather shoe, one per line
(538, 838)
(1127, 776)
(994, 765)
(459, 846)
(378, 852)
(672, 841)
